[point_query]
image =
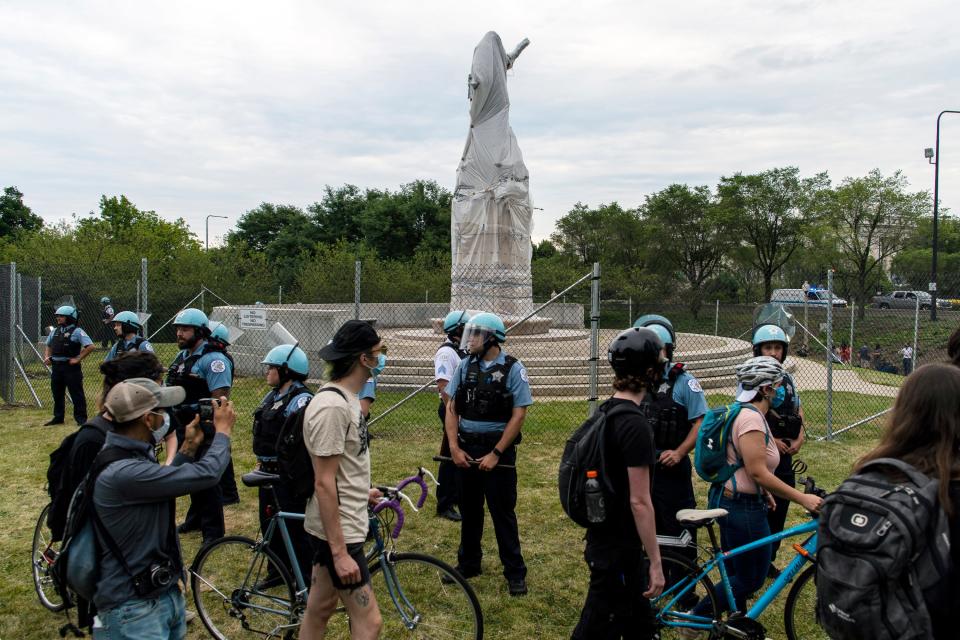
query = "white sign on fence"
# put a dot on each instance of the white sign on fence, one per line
(253, 318)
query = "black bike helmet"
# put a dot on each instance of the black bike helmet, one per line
(635, 351)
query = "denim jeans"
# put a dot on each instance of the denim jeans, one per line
(160, 618)
(746, 521)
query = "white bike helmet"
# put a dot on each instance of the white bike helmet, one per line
(755, 373)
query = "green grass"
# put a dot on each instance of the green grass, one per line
(552, 544)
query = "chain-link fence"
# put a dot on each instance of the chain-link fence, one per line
(847, 393)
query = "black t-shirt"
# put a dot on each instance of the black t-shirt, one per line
(629, 443)
(946, 620)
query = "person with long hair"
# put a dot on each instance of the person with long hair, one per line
(923, 430)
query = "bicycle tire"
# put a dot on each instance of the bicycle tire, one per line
(227, 578)
(704, 590)
(43, 581)
(439, 596)
(800, 608)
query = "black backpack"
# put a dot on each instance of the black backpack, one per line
(293, 459)
(586, 451)
(882, 553)
(60, 459)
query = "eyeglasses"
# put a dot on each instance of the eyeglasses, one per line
(382, 349)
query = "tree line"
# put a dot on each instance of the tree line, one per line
(735, 241)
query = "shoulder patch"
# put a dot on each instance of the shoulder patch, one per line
(302, 402)
(218, 366)
(523, 375)
(694, 385)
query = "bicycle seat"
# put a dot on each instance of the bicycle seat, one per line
(259, 478)
(699, 517)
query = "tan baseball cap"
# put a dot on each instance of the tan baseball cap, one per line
(130, 399)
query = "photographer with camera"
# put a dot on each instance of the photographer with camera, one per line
(137, 594)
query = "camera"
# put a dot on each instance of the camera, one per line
(159, 575)
(206, 418)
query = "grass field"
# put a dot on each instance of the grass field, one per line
(551, 543)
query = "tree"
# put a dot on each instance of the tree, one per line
(15, 216)
(608, 234)
(260, 227)
(693, 235)
(774, 210)
(872, 218)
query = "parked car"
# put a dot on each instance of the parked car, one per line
(908, 300)
(814, 297)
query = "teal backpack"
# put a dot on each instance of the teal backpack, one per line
(710, 454)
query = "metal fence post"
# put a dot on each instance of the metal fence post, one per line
(829, 354)
(853, 312)
(11, 328)
(915, 360)
(39, 308)
(630, 311)
(594, 336)
(143, 292)
(356, 290)
(280, 295)
(716, 320)
(806, 323)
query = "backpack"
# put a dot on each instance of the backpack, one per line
(710, 453)
(586, 451)
(60, 460)
(76, 569)
(883, 551)
(293, 459)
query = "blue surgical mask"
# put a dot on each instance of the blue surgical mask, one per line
(161, 433)
(779, 397)
(381, 364)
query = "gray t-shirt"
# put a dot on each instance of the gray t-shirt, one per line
(332, 427)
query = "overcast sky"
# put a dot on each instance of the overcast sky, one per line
(196, 108)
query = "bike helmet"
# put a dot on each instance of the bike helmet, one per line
(757, 372)
(635, 351)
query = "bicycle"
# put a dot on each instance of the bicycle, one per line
(696, 585)
(239, 596)
(43, 554)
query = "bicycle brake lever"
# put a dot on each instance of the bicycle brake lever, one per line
(401, 494)
(433, 478)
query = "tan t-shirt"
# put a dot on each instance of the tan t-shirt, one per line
(332, 427)
(746, 421)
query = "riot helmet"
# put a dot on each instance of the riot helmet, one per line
(654, 320)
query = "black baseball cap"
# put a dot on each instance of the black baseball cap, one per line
(353, 337)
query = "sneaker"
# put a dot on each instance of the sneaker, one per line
(187, 528)
(450, 514)
(517, 587)
(190, 616)
(226, 502)
(52, 422)
(446, 579)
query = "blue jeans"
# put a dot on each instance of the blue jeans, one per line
(746, 521)
(160, 618)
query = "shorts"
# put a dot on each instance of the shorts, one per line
(323, 557)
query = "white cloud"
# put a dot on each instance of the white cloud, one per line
(192, 109)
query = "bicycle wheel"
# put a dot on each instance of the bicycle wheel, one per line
(702, 591)
(43, 554)
(800, 609)
(242, 590)
(423, 597)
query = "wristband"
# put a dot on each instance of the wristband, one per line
(497, 452)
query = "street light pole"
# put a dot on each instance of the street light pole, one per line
(935, 161)
(213, 216)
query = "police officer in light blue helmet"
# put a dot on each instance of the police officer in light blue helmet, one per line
(220, 333)
(66, 346)
(675, 411)
(785, 419)
(127, 327)
(106, 321)
(287, 370)
(445, 362)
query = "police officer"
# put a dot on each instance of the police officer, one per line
(445, 363)
(66, 348)
(219, 340)
(675, 412)
(786, 424)
(106, 320)
(203, 372)
(287, 369)
(489, 395)
(129, 331)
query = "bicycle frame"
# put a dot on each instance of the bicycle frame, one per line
(691, 621)
(278, 521)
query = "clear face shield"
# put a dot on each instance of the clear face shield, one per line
(475, 338)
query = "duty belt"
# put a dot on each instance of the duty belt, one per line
(489, 438)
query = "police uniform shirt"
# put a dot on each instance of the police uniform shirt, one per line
(688, 393)
(445, 364)
(113, 353)
(108, 314)
(77, 335)
(296, 403)
(213, 367)
(518, 383)
(369, 391)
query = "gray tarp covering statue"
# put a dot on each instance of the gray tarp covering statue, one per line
(491, 211)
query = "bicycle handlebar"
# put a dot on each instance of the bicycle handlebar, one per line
(393, 495)
(395, 506)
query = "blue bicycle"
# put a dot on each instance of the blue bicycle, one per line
(243, 590)
(692, 584)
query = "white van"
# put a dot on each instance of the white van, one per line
(817, 297)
